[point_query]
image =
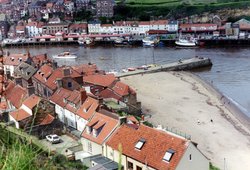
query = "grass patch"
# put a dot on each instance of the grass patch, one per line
(18, 153)
(211, 167)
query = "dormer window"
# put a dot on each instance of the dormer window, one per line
(168, 155)
(39, 72)
(42, 74)
(89, 129)
(20, 59)
(64, 100)
(12, 59)
(94, 132)
(140, 143)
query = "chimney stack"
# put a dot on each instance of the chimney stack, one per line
(122, 120)
(66, 71)
(83, 95)
(59, 82)
(31, 90)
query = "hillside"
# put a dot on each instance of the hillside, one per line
(175, 9)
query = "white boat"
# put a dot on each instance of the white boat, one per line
(87, 41)
(65, 55)
(186, 42)
(150, 42)
(80, 42)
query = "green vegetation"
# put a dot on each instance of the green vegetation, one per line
(211, 167)
(148, 9)
(16, 152)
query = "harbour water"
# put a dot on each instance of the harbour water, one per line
(230, 72)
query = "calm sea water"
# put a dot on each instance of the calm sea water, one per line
(230, 72)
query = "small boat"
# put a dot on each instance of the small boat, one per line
(131, 69)
(150, 42)
(87, 41)
(186, 42)
(121, 42)
(65, 55)
(80, 42)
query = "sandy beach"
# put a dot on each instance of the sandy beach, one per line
(182, 102)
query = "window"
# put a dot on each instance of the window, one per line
(138, 168)
(130, 166)
(190, 157)
(69, 84)
(168, 155)
(140, 143)
(89, 147)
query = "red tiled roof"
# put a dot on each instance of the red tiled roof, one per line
(86, 69)
(20, 115)
(43, 73)
(106, 25)
(157, 32)
(15, 59)
(31, 101)
(74, 97)
(197, 25)
(58, 73)
(3, 105)
(80, 25)
(144, 23)
(47, 120)
(99, 79)
(20, 28)
(90, 105)
(15, 94)
(105, 126)
(159, 22)
(48, 77)
(121, 88)
(109, 93)
(153, 150)
(38, 59)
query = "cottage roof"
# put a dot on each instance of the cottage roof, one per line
(20, 114)
(31, 101)
(104, 125)
(99, 79)
(15, 94)
(15, 59)
(88, 108)
(146, 144)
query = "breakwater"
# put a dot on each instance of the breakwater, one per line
(187, 64)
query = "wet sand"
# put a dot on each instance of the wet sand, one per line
(182, 102)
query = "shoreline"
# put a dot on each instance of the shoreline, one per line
(229, 103)
(183, 102)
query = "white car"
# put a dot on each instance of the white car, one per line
(53, 138)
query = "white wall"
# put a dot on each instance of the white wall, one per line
(96, 148)
(12, 119)
(198, 161)
(71, 118)
(60, 112)
(28, 110)
(81, 123)
(9, 68)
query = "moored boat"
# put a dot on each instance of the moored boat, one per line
(65, 55)
(150, 42)
(186, 42)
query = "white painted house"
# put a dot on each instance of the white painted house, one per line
(67, 103)
(97, 131)
(34, 28)
(86, 112)
(146, 148)
(94, 27)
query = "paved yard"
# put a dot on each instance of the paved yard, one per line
(62, 146)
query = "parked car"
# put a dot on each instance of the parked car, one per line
(53, 138)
